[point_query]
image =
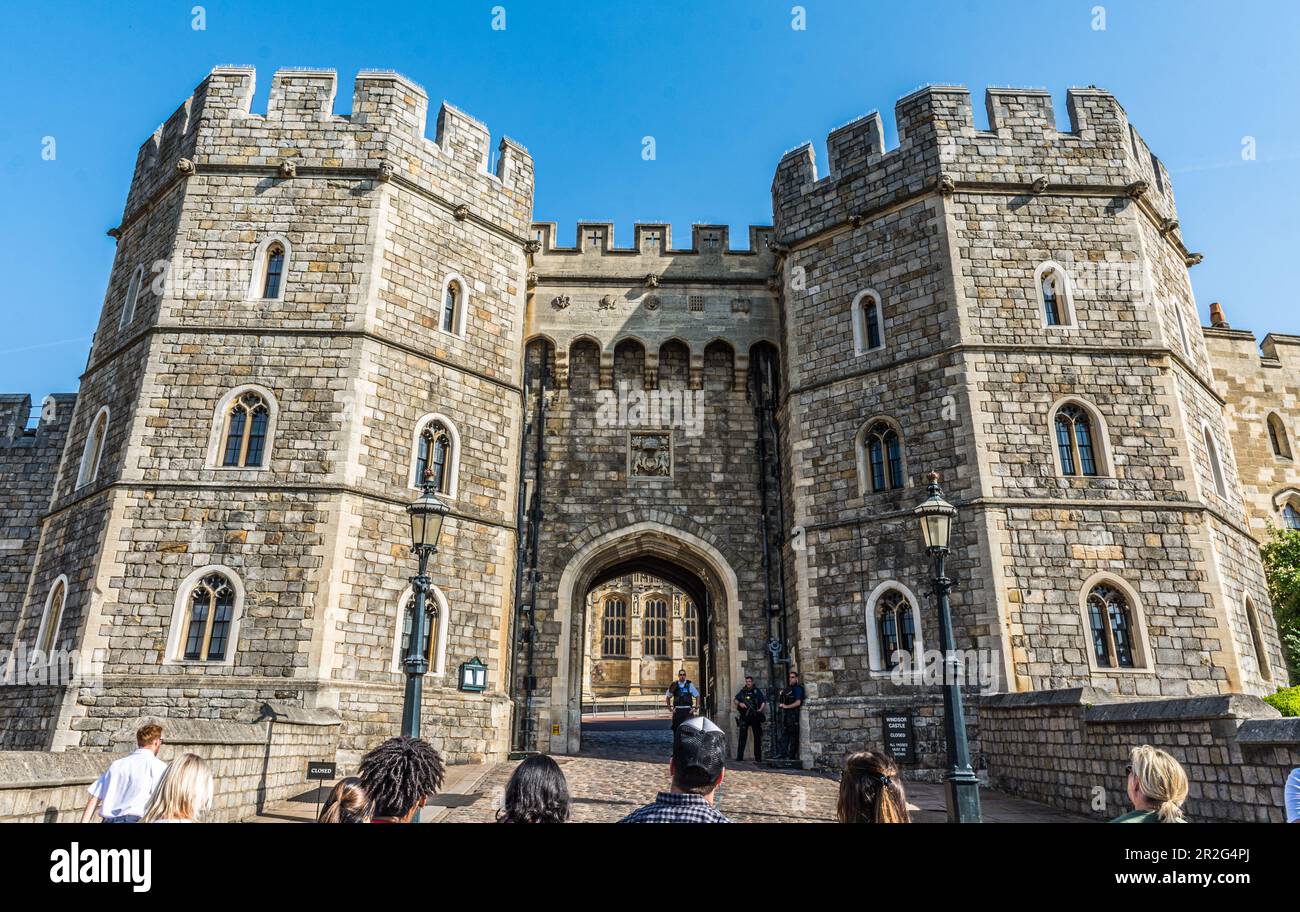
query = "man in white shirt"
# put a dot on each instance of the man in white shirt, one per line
(124, 790)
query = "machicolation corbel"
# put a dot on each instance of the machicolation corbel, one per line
(1194, 259)
(461, 212)
(185, 166)
(1039, 185)
(384, 173)
(1169, 226)
(288, 169)
(652, 280)
(532, 246)
(1137, 189)
(946, 184)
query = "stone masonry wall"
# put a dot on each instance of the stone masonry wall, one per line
(1069, 749)
(253, 763)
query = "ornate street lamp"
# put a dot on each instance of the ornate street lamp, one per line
(427, 513)
(961, 785)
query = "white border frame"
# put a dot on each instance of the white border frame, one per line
(1067, 292)
(1143, 662)
(217, 442)
(258, 280)
(859, 321)
(180, 613)
(453, 480)
(440, 642)
(875, 661)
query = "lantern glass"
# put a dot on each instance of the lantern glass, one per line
(427, 514)
(935, 515)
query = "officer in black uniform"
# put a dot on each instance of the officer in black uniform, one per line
(749, 709)
(682, 697)
(790, 701)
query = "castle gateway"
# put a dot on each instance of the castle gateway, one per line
(656, 451)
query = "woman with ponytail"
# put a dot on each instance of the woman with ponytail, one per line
(1157, 787)
(870, 790)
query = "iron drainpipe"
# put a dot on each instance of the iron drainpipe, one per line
(536, 531)
(521, 547)
(760, 407)
(783, 625)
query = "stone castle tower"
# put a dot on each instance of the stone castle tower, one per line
(307, 311)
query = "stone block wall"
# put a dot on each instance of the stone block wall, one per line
(1069, 748)
(253, 763)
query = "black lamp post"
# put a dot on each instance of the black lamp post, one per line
(427, 513)
(961, 785)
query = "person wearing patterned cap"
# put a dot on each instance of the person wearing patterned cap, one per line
(698, 765)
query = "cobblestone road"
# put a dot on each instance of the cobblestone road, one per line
(618, 771)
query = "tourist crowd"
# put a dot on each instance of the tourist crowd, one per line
(397, 778)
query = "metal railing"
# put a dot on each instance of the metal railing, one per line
(626, 706)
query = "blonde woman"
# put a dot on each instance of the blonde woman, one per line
(183, 795)
(1157, 787)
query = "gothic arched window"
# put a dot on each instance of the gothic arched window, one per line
(453, 306)
(274, 271)
(93, 451)
(1074, 441)
(1110, 619)
(247, 420)
(270, 265)
(433, 456)
(895, 627)
(47, 637)
(613, 640)
(691, 631)
(1055, 297)
(654, 629)
(211, 613)
(1257, 641)
(1277, 436)
(884, 457)
(1216, 467)
(1291, 516)
(132, 296)
(868, 323)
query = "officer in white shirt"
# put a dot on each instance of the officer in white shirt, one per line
(126, 786)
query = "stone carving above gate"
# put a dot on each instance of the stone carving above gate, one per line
(650, 455)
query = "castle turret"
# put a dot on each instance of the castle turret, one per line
(307, 311)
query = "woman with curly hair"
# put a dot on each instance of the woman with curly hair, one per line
(870, 790)
(536, 793)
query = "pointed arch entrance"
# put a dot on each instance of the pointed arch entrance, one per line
(678, 557)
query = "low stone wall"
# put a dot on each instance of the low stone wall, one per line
(254, 763)
(1069, 748)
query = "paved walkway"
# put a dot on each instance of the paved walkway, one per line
(623, 764)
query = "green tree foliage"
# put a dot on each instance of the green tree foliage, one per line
(1282, 567)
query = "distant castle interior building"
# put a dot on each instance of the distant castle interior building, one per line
(640, 632)
(309, 313)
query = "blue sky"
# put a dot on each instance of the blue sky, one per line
(723, 87)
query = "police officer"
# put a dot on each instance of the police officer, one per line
(790, 701)
(749, 706)
(682, 696)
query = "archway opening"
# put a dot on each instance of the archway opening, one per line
(665, 598)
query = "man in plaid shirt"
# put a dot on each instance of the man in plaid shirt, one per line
(697, 767)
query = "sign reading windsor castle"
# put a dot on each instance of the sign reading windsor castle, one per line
(310, 312)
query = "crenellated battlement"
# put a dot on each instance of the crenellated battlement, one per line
(940, 146)
(384, 133)
(652, 239)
